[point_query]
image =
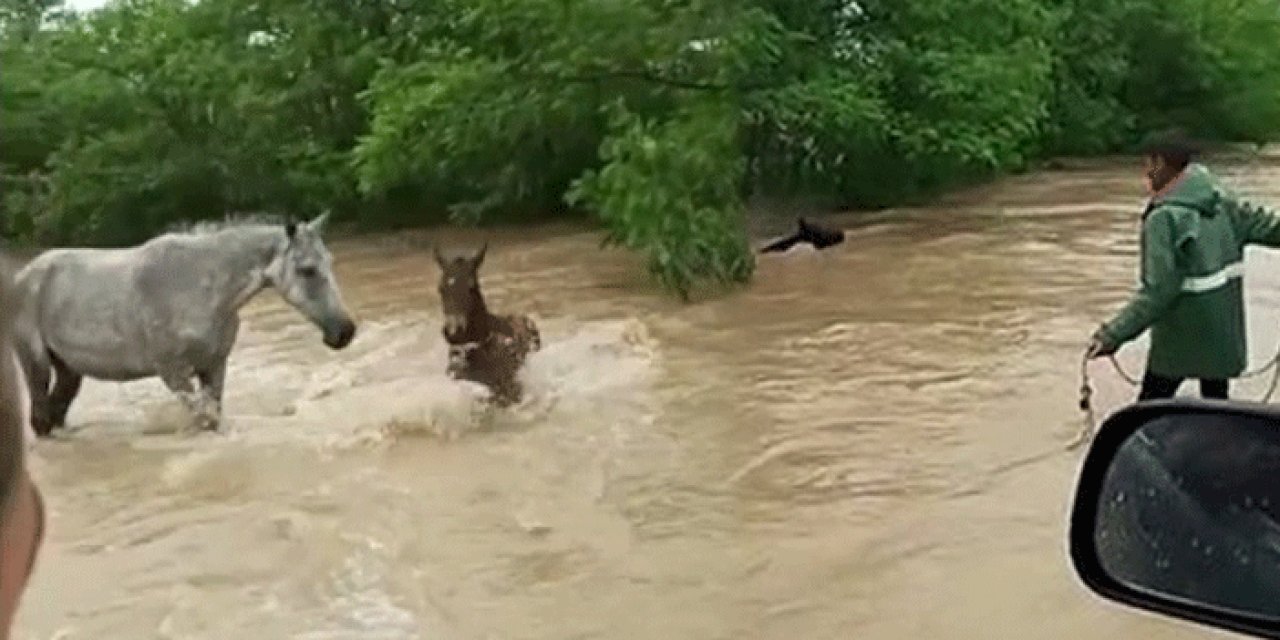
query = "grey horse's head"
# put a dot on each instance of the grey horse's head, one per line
(303, 274)
(460, 294)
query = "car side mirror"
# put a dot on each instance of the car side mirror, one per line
(1177, 511)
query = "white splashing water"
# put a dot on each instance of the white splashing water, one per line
(389, 384)
(360, 606)
(592, 380)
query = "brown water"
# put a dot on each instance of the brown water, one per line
(867, 443)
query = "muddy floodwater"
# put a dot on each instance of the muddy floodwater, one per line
(869, 442)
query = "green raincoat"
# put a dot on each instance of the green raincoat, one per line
(1191, 293)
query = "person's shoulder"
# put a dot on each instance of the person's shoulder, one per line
(1213, 179)
(1164, 212)
(1178, 220)
(1174, 208)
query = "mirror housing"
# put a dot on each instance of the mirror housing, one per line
(1165, 486)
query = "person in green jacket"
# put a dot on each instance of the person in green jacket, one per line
(1191, 293)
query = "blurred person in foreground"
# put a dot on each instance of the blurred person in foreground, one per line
(1191, 289)
(21, 507)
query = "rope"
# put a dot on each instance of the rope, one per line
(1086, 390)
(1086, 405)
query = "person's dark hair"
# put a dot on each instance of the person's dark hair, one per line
(1174, 146)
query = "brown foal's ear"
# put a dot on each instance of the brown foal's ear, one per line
(478, 259)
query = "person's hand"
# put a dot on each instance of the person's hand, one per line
(1098, 347)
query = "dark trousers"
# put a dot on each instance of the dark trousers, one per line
(1155, 386)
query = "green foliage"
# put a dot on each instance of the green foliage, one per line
(502, 111)
(1211, 67)
(656, 117)
(1129, 66)
(459, 126)
(970, 78)
(671, 189)
(1088, 113)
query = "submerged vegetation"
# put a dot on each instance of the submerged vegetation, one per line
(656, 117)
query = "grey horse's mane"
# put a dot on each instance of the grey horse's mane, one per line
(232, 221)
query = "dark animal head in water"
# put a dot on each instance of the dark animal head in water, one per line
(465, 313)
(807, 232)
(820, 237)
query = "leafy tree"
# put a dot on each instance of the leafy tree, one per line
(656, 117)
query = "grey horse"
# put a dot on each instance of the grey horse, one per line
(168, 308)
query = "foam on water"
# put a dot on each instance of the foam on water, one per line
(404, 393)
(389, 385)
(587, 391)
(360, 606)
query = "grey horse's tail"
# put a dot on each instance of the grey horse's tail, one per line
(12, 428)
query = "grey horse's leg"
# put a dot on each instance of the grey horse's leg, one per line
(211, 386)
(179, 382)
(36, 368)
(66, 387)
